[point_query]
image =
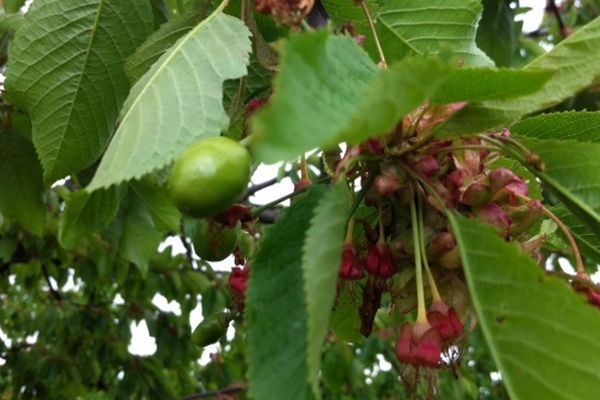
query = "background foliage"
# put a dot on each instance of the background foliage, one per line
(102, 95)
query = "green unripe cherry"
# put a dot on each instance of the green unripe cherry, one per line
(210, 176)
(213, 241)
(211, 329)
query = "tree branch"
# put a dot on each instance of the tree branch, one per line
(260, 186)
(215, 393)
(55, 293)
(561, 23)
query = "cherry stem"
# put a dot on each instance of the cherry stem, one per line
(428, 188)
(247, 141)
(567, 232)
(412, 130)
(360, 196)
(501, 142)
(415, 146)
(433, 287)
(350, 232)
(363, 4)
(421, 311)
(304, 169)
(470, 147)
(381, 239)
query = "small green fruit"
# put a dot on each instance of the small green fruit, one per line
(213, 241)
(210, 176)
(211, 329)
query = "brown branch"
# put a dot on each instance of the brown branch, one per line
(188, 248)
(215, 393)
(561, 23)
(575, 279)
(260, 186)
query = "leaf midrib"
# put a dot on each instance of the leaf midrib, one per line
(169, 56)
(86, 59)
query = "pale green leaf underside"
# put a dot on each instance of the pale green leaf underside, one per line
(576, 62)
(86, 213)
(157, 44)
(572, 170)
(541, 333)
(588, 243)
(178, 101)
(21, 185)
(428, 27)
(66, 70)
(580, 126)
(320, 263)
(276, 309)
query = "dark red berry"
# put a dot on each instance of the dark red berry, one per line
(443, 318)
(351, 268)
(420, 345)
(380, 261)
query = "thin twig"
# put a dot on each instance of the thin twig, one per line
(579, 280)
(215, 393)
(561, 23)
(188, 248)
(567, 232)
(259, 210)
(260, 186)
(363, 4)
(55, 293)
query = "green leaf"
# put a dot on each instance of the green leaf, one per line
(87, 213)
(133, 234)
(342, 12)
(21, 185)
(426, 27)
(319, 87)
(13, 6)
(277, 308)
(381, 106)
(313, 107)
(157, 44)
(65, 69)
(321, 263)
(572, 170)
(580, 126)
(178, 101)
(165, 215)
(575, 66)
(10, 22)
(541, 333)
(589, 244)
(496, 34)
(345, 317)
(480, 84)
